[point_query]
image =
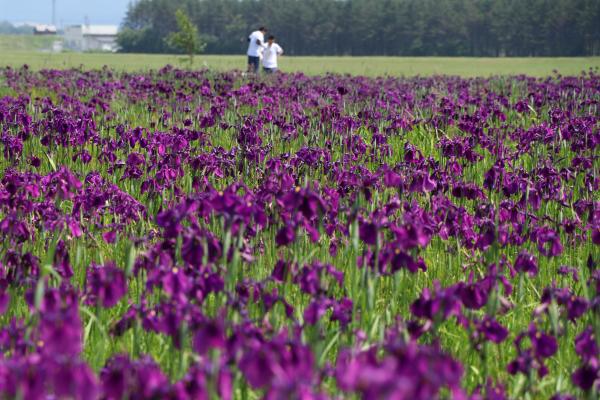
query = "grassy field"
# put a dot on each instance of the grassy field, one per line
(369, 66)
(24, 43)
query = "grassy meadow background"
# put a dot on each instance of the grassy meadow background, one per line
(369, 66)
(16, 50)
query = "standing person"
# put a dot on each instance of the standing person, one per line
(270, 53)
(256, 43)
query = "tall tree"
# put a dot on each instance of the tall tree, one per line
(376, 27)
(186, 39)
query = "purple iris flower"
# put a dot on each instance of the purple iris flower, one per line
(106, 284)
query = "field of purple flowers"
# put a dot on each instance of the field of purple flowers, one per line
(194, 235)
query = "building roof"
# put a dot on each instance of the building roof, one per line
(98, 30)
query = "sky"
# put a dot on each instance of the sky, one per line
(67, 11)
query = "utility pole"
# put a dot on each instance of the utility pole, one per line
(54, 12)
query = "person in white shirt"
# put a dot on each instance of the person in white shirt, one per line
(270, 53)
(256, 43)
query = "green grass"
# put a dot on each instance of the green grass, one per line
(369, 66)
(24, 43)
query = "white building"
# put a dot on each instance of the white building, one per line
(91, 37)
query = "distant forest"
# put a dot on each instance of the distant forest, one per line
(6, 28)
(376, 27)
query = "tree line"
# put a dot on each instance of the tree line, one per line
(375, 27)
(7, 28)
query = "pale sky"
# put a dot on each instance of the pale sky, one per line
(67, 11)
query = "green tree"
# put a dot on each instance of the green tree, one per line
(186, 39)
(374, 27)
